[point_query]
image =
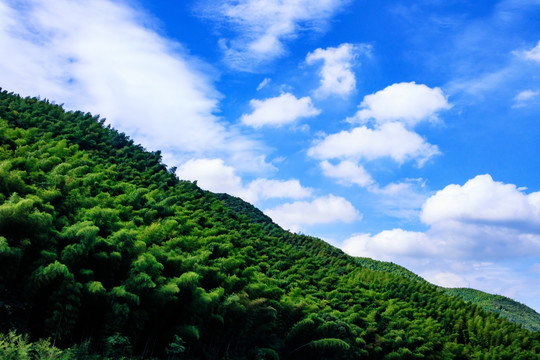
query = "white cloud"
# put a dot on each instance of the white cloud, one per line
(406, 102)
(322, 210)
(278, 111)
(524, 96)
(336, 74)
(389, 140)
(101, 56)
(533, 54)
(484, 201)
(214, 175)
(483, 219)
(390, 244)
(268, 189)
(446, 279)
(347, 172)
(263, 26)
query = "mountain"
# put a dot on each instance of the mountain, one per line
(104, 253)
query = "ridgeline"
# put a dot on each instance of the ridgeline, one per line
(104, 253)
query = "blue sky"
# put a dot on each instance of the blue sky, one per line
(403, 131)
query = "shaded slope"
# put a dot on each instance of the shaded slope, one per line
(99, 243)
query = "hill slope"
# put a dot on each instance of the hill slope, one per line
(505, 307)
(101, 246)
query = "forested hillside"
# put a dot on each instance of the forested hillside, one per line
(508, 308)
(104, 252)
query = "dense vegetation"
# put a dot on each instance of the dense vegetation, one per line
(508, 308)
(505, 307)
(104, 251)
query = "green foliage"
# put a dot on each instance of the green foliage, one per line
(107, 254)
(505, 307)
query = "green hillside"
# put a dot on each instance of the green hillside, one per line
(508, 308)
(505, 307)
(104, 253)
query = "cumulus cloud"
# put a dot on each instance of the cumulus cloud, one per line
(482, 200)
(101, 56)
(475, 232)
(279, 111)
(391, 140)
(322, 210)
(409, 103)
(262, 27)
(533, 54)
(483, 219)
(336, 74)
(347, 172)
(214, 175)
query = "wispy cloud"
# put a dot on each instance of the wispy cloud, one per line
(521, 99)
(347, 173)
(532, 54)
(263, 84)
(101, 56)
(261, 27)
(322, 210)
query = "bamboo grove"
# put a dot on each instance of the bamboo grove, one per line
(104, 253)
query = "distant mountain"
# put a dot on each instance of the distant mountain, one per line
(106, 254)
(506, 307)
(501, 305)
